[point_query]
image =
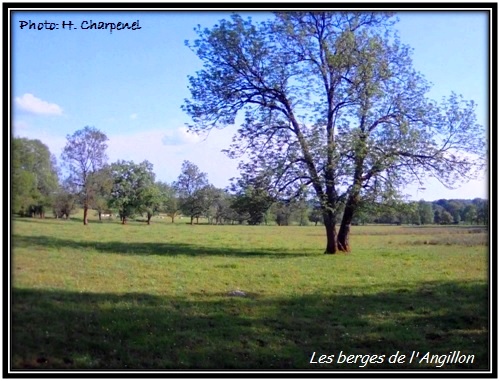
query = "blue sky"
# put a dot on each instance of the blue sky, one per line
(130, 84)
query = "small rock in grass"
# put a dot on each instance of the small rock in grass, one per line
(237, 293)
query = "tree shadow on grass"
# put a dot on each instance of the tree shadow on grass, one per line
(80, 330)
(151, 248)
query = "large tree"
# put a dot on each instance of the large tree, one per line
(85, 155)
(331, 100)
(34, 176)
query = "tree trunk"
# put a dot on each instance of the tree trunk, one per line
(345, 225)
(192, 220)
(331, 233)
(173, 219)
(100, 214)
(85, 214)
(149, 218)
(343, 237)
(124, 220)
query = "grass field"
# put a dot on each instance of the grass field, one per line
(107, 296)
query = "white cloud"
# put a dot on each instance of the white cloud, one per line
(180, 136)
(167, 158)
(28, 102)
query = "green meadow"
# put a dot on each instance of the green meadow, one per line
(174, 296)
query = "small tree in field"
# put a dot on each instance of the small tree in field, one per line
(85, 155)
(189, 186)
(252, 198)
(153, 201)
(132, 183)
(171, 204)
(101, 183)
(330, 101)
(65, 202)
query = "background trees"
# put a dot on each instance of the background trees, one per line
(482, 207)
(34, 177)
(425, 212)
(84, 155)
(219, 210)
(131, 192)
(330, 100)
(171, 204)
(153, 200)
(252, 198)
(190, 187)
(65, 201)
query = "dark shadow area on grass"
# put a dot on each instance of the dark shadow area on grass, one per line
(80, 330)
(150, 248)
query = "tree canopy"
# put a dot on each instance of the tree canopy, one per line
(132, 190)
(34, 176)
(84, 155)
(330, 100)
(190, 187)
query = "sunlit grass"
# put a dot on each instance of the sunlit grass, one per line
(138, 296)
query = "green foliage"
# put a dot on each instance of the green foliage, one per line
(170, 200)
(191, 187)
(65, 202)
(470, 214)
(252, 199)
(85, 156)
(287, 213)
(425, 212)
(315, 215)
(133, 189)
(483, 210)
(152, 200)
(99, 188)
(446, 218)
(218, 202)
(34, 176)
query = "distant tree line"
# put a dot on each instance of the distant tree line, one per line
(440, 212)
(128, 190)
